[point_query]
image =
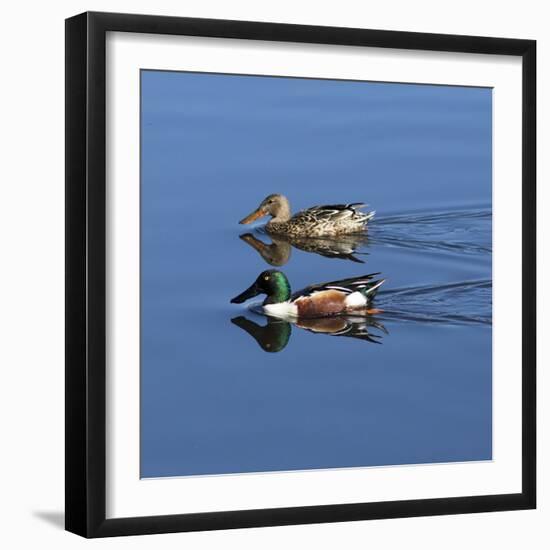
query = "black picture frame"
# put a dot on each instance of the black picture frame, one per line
(86, 275)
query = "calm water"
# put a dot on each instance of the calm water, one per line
(223, 389)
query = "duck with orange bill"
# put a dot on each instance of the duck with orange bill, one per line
(329, 219)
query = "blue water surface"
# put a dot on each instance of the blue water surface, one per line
(218, 396)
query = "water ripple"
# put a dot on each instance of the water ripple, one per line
(465, 231)
(457, 231)
(438, 303)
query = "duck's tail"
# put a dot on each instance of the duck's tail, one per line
(367, 216)
(370, 289)
(366, 285)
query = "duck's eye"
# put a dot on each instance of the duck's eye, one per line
(266, 278)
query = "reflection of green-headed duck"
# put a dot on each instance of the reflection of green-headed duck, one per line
(275, 334)
(347, 296)
(332, 219)
(272, 337)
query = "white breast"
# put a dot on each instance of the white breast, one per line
(282, 310)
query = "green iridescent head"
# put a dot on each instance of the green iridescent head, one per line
(271, 282)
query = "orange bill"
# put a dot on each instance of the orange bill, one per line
(254, 216)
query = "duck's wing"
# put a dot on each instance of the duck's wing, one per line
(365, 284)
(335, 212)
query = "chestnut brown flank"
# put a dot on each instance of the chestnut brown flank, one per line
(325, 302)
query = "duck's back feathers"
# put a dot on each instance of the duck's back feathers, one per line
(364, 284)
(338, 209)
(334, 213)
(329, 219)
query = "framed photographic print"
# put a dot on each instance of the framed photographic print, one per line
(300, 274)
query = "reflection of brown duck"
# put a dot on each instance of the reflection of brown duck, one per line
(278, 252)
(275, 334)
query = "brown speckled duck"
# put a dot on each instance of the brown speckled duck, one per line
(330, 219)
